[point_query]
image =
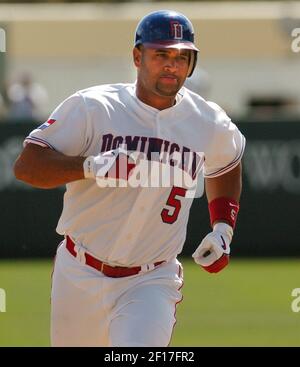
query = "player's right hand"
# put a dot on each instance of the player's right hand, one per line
(213, 252)
(112, 166)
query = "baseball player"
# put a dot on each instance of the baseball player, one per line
(116, 279)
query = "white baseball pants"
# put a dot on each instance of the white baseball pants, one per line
(91, 309)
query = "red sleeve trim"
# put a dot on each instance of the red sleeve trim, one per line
(38, 141)
(230, 166)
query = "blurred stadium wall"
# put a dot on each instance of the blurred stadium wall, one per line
(268, 220)
(245, 48)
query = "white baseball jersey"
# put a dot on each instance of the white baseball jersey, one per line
(135, 226)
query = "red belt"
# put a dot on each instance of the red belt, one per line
(108, 270)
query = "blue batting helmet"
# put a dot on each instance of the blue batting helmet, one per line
(167, 29)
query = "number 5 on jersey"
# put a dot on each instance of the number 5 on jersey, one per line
(170, 216)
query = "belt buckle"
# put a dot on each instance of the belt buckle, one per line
(147, 267)
(80, 254)
(102, 266)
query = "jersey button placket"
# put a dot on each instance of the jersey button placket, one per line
(157, 125)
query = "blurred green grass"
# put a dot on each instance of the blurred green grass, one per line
(248, 304)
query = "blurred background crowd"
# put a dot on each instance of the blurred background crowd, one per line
(247, 61)
(23, 100)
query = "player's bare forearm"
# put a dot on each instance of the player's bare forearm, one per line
(228, 185)
(45, 168)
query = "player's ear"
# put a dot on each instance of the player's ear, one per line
(137, 56)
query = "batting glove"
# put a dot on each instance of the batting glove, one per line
(113, 167)
(213, 252)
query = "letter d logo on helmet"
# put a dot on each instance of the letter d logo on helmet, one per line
(167, 29)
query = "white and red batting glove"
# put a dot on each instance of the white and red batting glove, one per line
(110, 168)
(213, 252)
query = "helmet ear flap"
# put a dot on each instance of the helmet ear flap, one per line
(193, 62)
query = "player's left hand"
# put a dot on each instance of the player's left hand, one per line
(213, 252)
(114, 166)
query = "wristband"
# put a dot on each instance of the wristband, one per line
(223, 209)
